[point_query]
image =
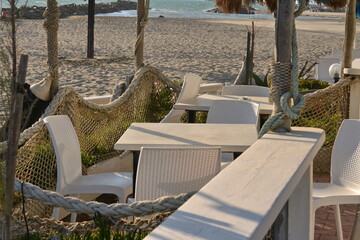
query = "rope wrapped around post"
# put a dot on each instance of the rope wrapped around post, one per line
(116, 210)
(51, 25)
(282, 71)
(139, 44)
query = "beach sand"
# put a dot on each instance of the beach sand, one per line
(213, 49)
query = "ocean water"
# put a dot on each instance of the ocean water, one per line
(166, 8)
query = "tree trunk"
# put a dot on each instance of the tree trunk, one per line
(13, 139)
(283, 36)
(350, 30)
(139, 48)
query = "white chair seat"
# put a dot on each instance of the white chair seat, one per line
(325, 194)
(102, 183)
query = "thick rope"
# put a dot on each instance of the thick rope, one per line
(66, 91)
(116, 210)
(278, 119)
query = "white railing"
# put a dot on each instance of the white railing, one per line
(244, 199)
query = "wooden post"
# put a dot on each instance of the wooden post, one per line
(354, 108)
(350, 31)
(12, 144)
(283, 28)
(91, 23)
(139, 48)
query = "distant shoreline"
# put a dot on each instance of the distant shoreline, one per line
(67, 10)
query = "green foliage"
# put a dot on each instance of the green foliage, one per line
(328, 122)
(103, 233)
(87, 159)
(308, 84)
(161, 103)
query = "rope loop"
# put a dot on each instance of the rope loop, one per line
(291, 112)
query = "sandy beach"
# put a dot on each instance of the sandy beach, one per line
(213, 49)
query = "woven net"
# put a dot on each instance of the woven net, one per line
(326, 109)
(147, 99)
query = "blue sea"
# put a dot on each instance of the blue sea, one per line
(166, 8)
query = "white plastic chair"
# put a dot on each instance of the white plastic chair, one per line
(233, 111)
(171, 171)
(246, 90)
(189, 90)
(70, 180)
(344, 186)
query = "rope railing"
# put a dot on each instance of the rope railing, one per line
(116, 210)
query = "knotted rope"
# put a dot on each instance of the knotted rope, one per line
(281, 73)
(116, 210)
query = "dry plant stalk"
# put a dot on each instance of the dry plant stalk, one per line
(5, 93)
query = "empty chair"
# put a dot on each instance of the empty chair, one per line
(233, 111)
(189, 90)
(344, 186)
(171, 171)
(246, 90)
(70, 180)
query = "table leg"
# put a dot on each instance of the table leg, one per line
(192, 116)
(263, 119)
(136, 155)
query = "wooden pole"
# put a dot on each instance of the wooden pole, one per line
(139, 51)
(91, 23)
(12, 144)
(283, 36)
(350, 31)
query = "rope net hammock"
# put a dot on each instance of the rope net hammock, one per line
(98, 128)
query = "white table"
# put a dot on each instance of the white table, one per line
(230, 137)
(204, 101)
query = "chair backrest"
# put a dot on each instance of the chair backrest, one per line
(322, 68)
(171, 171)
(345, 157)
(246, 90)
(190, 87)
(233, 111)
(67, 149)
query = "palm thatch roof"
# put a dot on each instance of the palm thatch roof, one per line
(233, 6)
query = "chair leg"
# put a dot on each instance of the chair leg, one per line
(312, 224)
(56, 213)
(339, 232)
(73, 217)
